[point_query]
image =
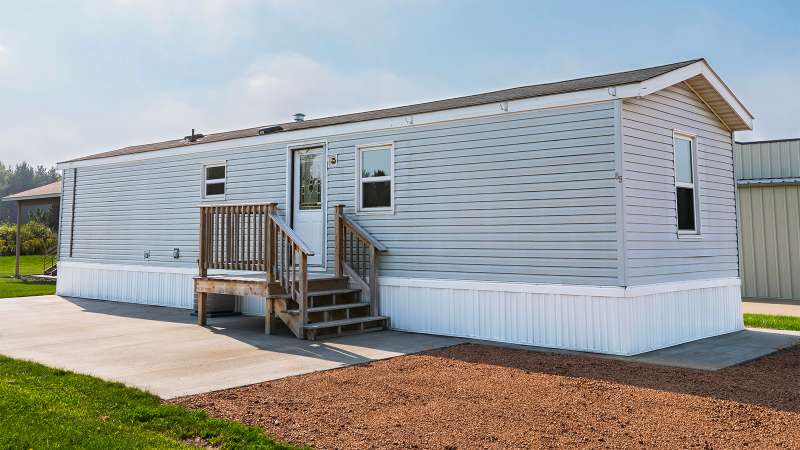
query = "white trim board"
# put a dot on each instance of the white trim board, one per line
(560, 289)
(409, 121)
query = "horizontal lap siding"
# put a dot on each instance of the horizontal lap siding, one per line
(525, 198)
(124, 209)
(654, 252)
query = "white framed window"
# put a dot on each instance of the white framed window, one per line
(687, 203)
(214, 175)
(375, 178)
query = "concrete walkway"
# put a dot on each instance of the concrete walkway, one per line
(162, 350)
(771, 306)
(718, 352)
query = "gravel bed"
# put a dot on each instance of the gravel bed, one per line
(478, 396)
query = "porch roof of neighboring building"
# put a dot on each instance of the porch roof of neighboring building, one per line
(52, 190)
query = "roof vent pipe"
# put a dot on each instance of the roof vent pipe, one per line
(299, 117)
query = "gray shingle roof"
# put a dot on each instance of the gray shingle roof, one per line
(537, 90)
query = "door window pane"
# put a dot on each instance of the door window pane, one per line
(376, 163)
(376, 194)
(685, 208)
(683, 161)
(310, 181)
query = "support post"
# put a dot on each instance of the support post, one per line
(269, 314)
(19, 238)
(201, 308)
(339, 241)
(303, 294)
(373, 280)
(270, 240)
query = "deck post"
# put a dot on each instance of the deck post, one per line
(270, 240)
(302, 296)
(201, 308)
(373, 280)
(202, 269)
(339, 241)
(19, 238)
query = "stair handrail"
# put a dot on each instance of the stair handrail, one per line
(367, 278)
(302, 246)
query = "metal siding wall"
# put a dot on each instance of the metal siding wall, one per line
(770, 227)
(654, 252)
(526, 197)
(768, 160)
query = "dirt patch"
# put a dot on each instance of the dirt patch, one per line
(476, 396)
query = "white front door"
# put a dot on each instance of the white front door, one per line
(307, 208)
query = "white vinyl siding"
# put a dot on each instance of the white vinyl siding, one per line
(525, 197)
(654, 252)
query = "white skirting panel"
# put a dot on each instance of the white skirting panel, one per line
(603, 319)
(162, 286)
(612, 320)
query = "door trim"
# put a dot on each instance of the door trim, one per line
(289, 188)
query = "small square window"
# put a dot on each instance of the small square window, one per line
(214, 180)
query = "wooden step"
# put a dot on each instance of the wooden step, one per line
(330, 307)
(327, 283)
(322, 293)
(344, 322)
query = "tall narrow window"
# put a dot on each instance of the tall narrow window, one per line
(375, 168)
(685, 184)
(214, 180)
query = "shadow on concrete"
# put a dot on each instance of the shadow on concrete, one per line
(772, 381)
(249, 330)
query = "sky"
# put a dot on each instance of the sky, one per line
(82, 76)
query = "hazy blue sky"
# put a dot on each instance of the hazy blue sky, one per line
(78, 77)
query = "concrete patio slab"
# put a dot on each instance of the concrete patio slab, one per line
(775, 307)
(162, 351)
(718, 352)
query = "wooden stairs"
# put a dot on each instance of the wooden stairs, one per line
(253, 237)
(333, 309)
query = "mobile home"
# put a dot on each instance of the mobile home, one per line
(594, 214)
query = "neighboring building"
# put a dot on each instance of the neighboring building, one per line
(768, 179)
(48, 195)
(595, 214)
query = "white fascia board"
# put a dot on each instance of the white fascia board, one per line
(666, 80)
(290, 137)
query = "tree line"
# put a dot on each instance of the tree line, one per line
(18, 178)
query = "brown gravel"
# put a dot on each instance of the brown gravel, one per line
(476, 396)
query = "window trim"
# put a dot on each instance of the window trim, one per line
(359, 180)
(206, 182)
(694, 185)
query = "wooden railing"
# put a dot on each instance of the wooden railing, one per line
(289, 267)
(234, 237)
(357, 254)
(253, 237)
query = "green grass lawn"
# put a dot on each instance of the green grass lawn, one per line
(28, 265)
(48, 408)
(774, 322)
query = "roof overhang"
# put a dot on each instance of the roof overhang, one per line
(702, 79)
(48, 191)
(698, 76)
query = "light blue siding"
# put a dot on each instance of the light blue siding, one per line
(528, 197)
(654, 253)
